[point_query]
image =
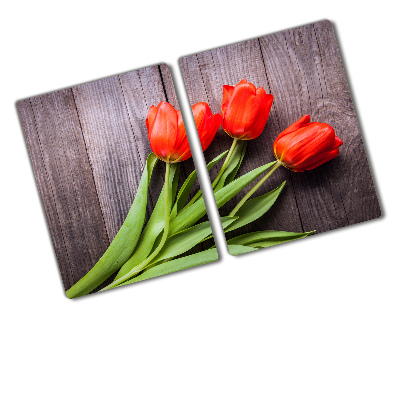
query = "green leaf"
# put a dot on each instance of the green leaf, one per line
(188, 184)
(192, 214)
(264, 239)
(177, 264)
(232, 175)
(175, 181)
(254, 208)
(235, 249)
(124, 242)
(185, 240)
(233, 165)
(154, 226)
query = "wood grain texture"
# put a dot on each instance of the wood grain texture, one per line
(88, 146)
(302, 68)
(65, 182)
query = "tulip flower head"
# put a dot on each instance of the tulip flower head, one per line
(167, 134)
(245, 110)
(207, 124)
(304, 145)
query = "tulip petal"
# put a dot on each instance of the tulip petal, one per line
(323, 158)
(210, 129)
(254, 130)
(305, 119)
(207, 124)
(199, 111)
(183, 152)
(181, 149)
(338, 143)
(181, 130)
(151, 115)
(242, 109)
(227, 95)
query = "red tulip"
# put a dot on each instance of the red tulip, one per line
(304, 145)
(167, 133)
(245, 110)
(207, 124)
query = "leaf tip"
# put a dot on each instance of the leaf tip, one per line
(281, 186)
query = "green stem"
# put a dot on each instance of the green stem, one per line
(216, 180)
(147, 261)
(225, 164)
(255, 187)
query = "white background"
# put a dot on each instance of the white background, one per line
(313, 319)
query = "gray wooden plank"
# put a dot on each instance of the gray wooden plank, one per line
(39, 167)
(63, 174)
(168, 85)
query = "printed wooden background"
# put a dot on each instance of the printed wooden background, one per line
(302, 68)
(88, 146)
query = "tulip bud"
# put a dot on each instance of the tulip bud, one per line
(304, 145)
(245, 110)
(167, 134)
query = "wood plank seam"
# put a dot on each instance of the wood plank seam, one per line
(74, 204)
(75, 207)
(91, 166)
(52, 191)
(220, 111)
(323, 102)
(134, 136)
(163, 84)
(205, 89)
(289, 178)
(265, 68)
(309, 100)
(130, 121)
(299, 69)
(153, 203)
(331, 183)
(320, 56)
